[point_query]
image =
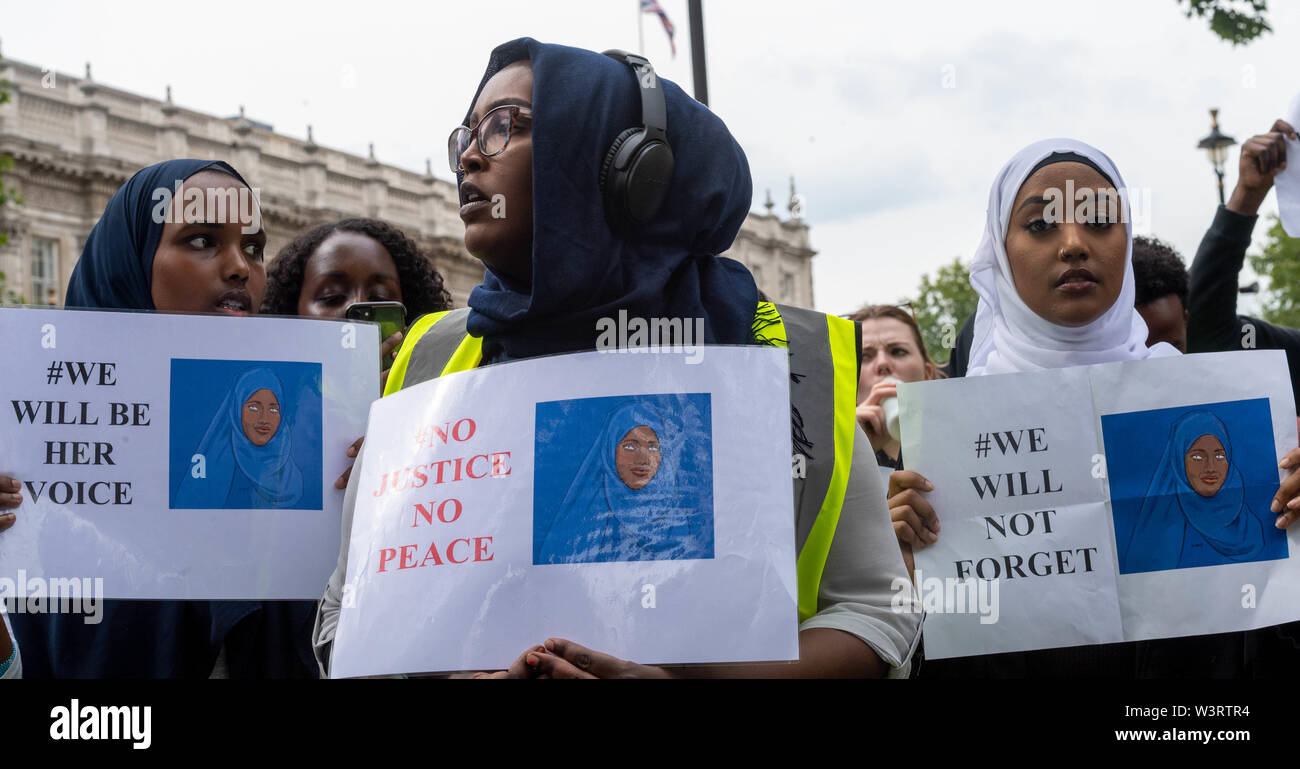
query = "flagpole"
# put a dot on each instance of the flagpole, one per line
(697, 52)
(640, 28)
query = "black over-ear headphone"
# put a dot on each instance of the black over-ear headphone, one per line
(638, 167)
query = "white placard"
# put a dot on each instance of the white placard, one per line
(515, 519)
(1105, 503)
(180, 456)
(1287, 180)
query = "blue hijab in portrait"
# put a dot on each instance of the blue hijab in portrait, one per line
(1175, 520)
(582, 270)
(603, 519)
(240, 474)
(156, 639)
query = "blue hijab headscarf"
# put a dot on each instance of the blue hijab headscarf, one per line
(1174, 515)
(115, 270)
(604, 519)
(156, 639)
(582, 270)
(234, 463)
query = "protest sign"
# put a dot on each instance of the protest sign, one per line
(1114, 502)
(1287, 180)
(632, 503)
(180, 456)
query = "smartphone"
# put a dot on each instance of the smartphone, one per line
(391, 317)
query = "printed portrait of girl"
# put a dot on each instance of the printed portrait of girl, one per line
(246, 454)
(1196, 511)
(625, 502)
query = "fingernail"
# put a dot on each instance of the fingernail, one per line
(1293, 504)
(1276, 507)
(531, 660)
(550, 644)
(1279, 522)
(929, 486)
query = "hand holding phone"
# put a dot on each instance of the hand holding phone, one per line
(391, 317)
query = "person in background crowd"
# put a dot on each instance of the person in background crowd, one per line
(557, 266)
(1213, 323)
(133, 261)
(325, 269)
(1161, 296)
(891, 347)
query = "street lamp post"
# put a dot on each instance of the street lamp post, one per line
(1217, 144)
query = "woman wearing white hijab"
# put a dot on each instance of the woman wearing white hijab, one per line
(1012, 336)
(1056, 287)
(1055, 279)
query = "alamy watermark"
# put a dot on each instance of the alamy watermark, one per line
(54, 595)
(949, 595)
(652, 335)
(211, 205)
(1086, 205)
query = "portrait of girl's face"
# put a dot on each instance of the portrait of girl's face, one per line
(1206, 464)
(637, 457)
(261, 417)
(1069, 272)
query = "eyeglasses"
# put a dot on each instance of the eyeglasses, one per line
(493, 131)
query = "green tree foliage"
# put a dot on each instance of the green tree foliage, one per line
(942, 304)
(1280, 264)
(1237, 21)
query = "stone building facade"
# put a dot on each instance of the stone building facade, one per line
(75, 141)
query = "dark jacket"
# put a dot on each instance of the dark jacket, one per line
(1213, 324)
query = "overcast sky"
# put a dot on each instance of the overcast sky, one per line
(849, 97)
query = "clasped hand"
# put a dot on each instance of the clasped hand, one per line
(558, 658)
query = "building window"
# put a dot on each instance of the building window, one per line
(45, 271)
(787, 285)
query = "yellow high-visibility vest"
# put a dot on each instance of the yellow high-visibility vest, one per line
(831, 369)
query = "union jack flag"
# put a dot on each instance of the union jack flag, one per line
(652, 6)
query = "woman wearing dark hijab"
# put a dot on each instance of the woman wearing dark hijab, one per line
(141, 255)
(580, 243)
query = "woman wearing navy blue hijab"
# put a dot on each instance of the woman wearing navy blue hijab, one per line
(554, 268)
(143, 254)
(530, 157)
